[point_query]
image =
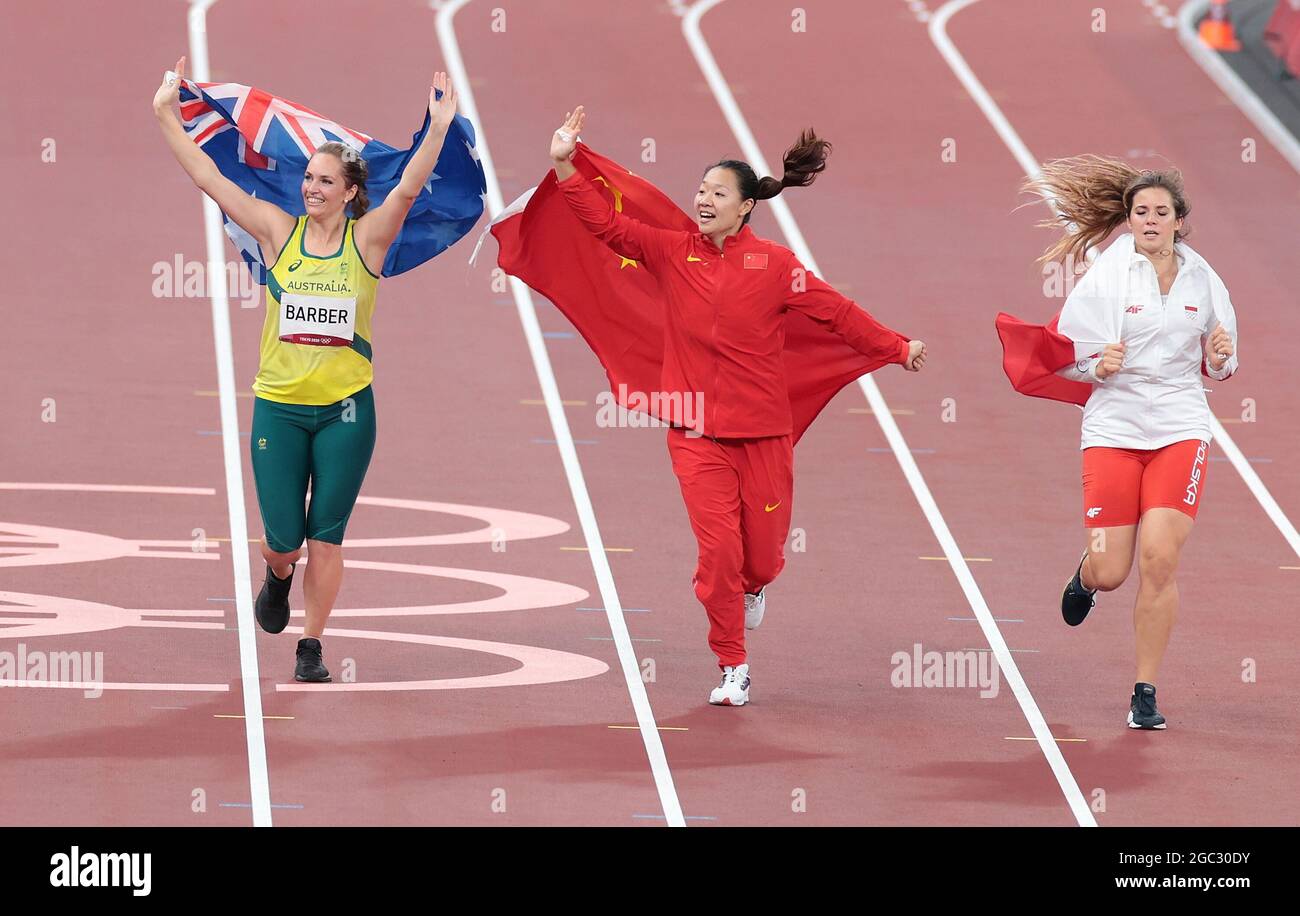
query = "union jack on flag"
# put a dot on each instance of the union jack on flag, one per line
(262, 143)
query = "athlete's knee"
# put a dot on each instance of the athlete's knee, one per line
(278, 558)
(764, 567)
(1104, 574)
(1157, 564)
(323, 549)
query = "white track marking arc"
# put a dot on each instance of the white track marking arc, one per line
(1219, 71)
(446, 13)
(749, 147)
(255, 737)
(30, 616)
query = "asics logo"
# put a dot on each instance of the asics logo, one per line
(295, 265)
(772, 507)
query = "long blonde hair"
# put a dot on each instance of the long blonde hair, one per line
(1093, 196)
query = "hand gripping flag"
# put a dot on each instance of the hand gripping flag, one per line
(1092, 317)
(620, 313)
(1031, 354)
(262, 143)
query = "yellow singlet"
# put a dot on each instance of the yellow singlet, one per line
(316, 337)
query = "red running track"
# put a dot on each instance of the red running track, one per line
(931, 248)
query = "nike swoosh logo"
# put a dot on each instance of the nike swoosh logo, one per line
(772, 508)
(689, 259)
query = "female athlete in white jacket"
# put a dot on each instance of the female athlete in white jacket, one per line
(1147, 319)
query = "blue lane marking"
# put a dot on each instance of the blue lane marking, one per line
(689, 817)
(249, 805)
(557, 335)
(915, 451)
(626, 610)
(575, 442)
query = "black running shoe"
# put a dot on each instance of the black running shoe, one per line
(310, 666)
(1142, 712)
(272, 608)
(1076, 601)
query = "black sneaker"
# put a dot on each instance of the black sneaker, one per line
(1076, 601)
(272, 607)
(310, 667)
(1142, 712)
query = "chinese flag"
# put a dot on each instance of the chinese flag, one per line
(615, 304)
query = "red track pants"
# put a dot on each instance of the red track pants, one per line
(738, 494)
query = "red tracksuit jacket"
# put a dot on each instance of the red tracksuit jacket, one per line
(724, 330)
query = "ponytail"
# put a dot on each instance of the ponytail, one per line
(802, 163)
(1092, 196)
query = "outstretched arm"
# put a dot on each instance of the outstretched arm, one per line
(820, 301)
(263, 220)
(377, 228)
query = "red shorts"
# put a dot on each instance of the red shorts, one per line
(1121, 484)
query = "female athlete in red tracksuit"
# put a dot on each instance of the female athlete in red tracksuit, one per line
(725, 292)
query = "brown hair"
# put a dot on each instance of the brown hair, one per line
(1092, 195)
(801, 165)
(355, 172)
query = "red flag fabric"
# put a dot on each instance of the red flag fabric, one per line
(1031, 354)
(617, 306)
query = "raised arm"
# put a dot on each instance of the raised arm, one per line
(624, 235)
(377, 228)
(263, 220)
(820, 301)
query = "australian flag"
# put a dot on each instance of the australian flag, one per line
(262, 143)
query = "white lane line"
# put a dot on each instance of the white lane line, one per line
(1027, 161)
(750, 148)
(564, 438)
(1233, 86)
(258, 780)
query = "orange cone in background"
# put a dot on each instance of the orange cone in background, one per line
(1216, 28)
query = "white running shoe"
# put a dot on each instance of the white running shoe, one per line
(755, 607)
(734, 689)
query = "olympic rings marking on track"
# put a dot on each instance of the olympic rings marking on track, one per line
(28, 616)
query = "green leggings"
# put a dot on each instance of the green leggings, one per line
(329, 446)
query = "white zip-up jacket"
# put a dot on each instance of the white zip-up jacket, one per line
(1157, 397)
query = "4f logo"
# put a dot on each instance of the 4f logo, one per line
(1094, 512)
